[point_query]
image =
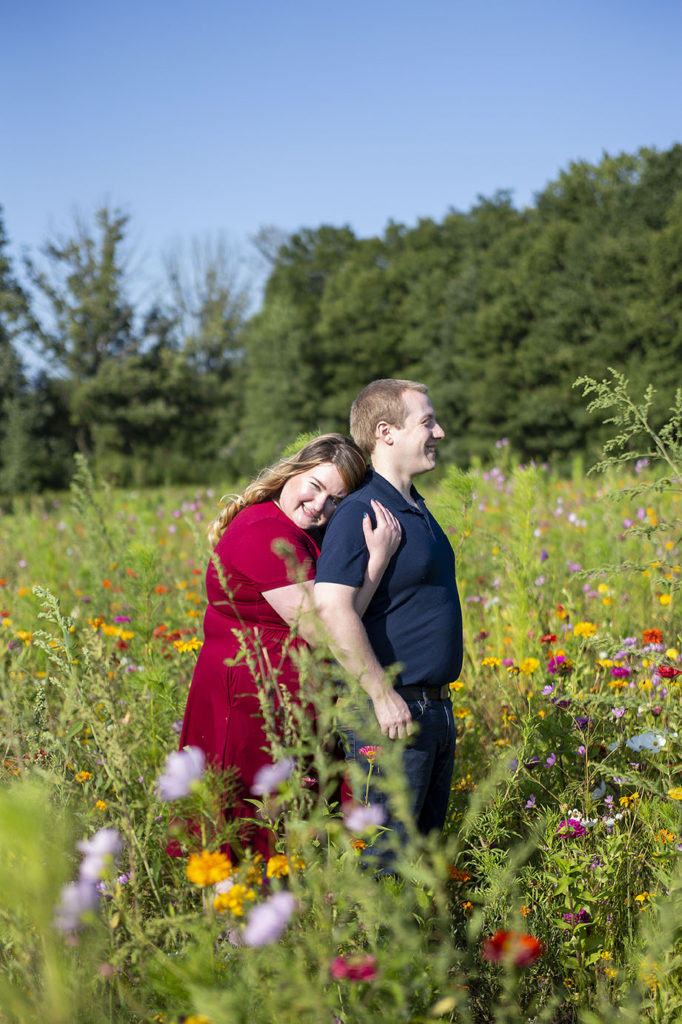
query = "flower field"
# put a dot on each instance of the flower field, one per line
(555, 894)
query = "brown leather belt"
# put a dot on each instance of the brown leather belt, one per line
(424, 692)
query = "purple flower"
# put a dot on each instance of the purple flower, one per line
(268, 920)
(546, 690)
(77, 899)
(551, 760)
(183, 769)
(543, 555)
(581, 749)
(574, 566)
(122, 618)
(582, 723)
(580, 918)
(617, 712)
(267, 779)
(530, 802)
(620, 671)
(101, 850)
(358, 818)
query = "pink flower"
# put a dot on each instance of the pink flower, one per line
(370, 753)
(572, 827)
(362, 967)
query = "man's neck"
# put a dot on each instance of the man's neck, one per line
(402, 483)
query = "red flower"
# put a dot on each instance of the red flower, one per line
(355, 968)
(652, 636)
(668, 672)
(519, 949)
(548, 638)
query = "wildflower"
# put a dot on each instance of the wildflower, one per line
(82, 776)
(207, 868)
(358, 845)
(642, 897)
(551, 760)
(646, 741)
(357, 818)
(278, 866)
(581, 917)
(457, 874)
(269, 777)
(519, 949)
(572, 827)
(362, 967)
(561, 664)
(530, 802)
(584, 629)
(183, 770)
(668, 672)
(652, 636)
(546, 690)
(233, 899)
(77, 899)
(491, 662)
(101, 805)
(620, 672)
(617, 712)
(664, 599)
(675, 793)
(188, 645)
(268, 920)
(101, 850)
(548, 638)
(529, 665)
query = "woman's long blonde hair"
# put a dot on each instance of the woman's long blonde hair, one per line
(341, 451)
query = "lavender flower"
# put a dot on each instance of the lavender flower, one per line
(551, 760)
(101, 850)
(183, 769)
(530, 802)
(617, 712)
(268, 778)
(77, 899)
(268, 920)
(358, 818)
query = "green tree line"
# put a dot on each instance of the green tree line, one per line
(498, 309)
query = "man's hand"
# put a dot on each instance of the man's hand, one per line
(393, 714)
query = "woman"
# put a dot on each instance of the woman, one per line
(259, 585)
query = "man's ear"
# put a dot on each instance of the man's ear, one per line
(382, 432)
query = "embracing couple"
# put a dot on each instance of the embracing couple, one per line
(372, 565)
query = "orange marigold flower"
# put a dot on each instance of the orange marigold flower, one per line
(207, 868)
(652, 636)
(517, 948)
(457, 874)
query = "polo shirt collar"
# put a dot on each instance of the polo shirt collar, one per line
(382, 486)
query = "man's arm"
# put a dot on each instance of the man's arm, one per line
(352, 649)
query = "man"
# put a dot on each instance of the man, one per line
(414, 619)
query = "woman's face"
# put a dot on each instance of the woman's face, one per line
(309, 498)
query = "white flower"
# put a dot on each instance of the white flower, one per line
(182, 771)
(646, 741)
(268, 778)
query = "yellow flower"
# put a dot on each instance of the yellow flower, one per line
(461, 712)
(664, 599)
(83, 776)
(491, 662)
(529, 665)
(584, 629)
(642, 896)
(198, 1018)
(188, 645)
(457, 685)
(233, 899)
(610, 972)
(675, 793)
(672, 653)
(207, 868)
(23, 634)
(278, 866)
(100, 805)
(605, 955)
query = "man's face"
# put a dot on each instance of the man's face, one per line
(414, 444)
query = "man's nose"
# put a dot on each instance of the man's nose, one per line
(438, 432)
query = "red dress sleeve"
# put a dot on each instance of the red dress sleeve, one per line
(273, 552)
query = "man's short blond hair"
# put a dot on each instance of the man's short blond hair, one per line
(380, 400)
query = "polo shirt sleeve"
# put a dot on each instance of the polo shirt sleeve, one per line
(344, 552)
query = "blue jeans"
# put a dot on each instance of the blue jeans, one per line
(428, 762)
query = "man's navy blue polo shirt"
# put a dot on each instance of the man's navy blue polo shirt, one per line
(415, 617)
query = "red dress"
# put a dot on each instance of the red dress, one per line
(223, 715)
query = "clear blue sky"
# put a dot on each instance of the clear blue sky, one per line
(225, 115)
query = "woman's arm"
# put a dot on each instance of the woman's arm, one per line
(382, 543)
